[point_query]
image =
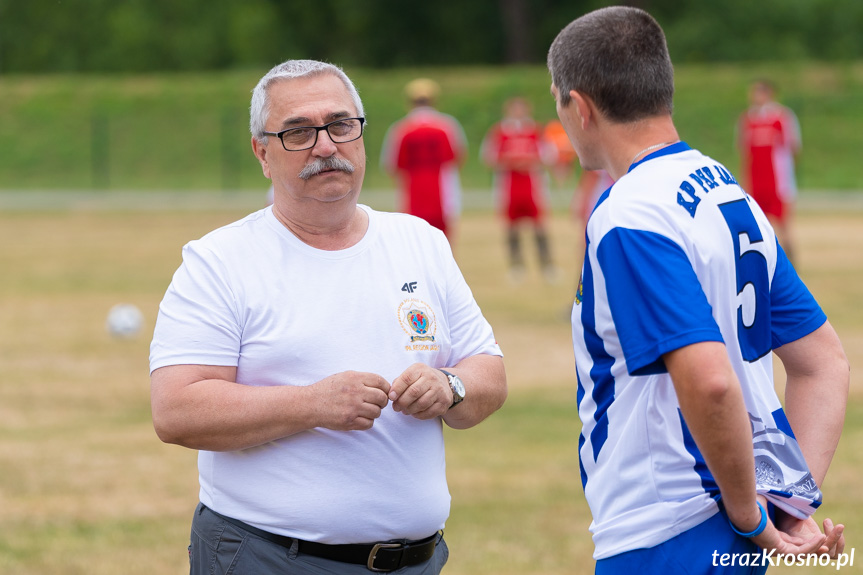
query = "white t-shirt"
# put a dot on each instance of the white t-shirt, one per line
(252, 295)
(678, 254)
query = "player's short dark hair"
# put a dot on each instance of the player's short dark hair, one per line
(618, 57)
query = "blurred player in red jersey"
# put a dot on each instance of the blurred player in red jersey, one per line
(518, 152)
(769, 141)
(423, 151)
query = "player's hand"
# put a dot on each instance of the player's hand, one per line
(792, 536)
(351, 400)
(834, 542)
(803, 542)
(421, 391)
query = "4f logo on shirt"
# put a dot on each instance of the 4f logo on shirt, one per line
(409, 287)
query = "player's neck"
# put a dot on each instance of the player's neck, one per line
(637, 140)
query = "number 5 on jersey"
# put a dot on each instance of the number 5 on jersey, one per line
(753, 280)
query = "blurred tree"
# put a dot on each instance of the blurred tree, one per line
(141, 35)
(254, 33)
(516, 23)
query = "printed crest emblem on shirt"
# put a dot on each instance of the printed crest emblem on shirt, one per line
(579, 293)
(417, 319)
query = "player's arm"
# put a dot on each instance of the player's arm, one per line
(742, 134)
(711, 401)
(489, 152)
(424, 392)
(791, 129)
(458, 141)
(816, 392)
(202, 407)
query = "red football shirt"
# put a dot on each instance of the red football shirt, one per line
(424, 150)
(518, 151)
(769, 139)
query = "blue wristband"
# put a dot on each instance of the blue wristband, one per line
(758, 530)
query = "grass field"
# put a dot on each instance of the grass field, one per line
(187, 131)
(87, 488)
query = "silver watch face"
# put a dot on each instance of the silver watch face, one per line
(457, 388)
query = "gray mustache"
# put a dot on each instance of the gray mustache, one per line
(323, 164)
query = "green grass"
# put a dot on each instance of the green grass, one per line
(86, 488)
(189, 131)
(516, 477)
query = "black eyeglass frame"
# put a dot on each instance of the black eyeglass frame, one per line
(317, 132)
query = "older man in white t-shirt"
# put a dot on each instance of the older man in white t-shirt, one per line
(311, 350)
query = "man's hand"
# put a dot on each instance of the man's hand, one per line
(802, 541)
(792, 536)
(834, 542)
(351, 400)
(421, 391)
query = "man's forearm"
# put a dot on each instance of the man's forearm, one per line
(712, 405)
(484, 379)
(201, 407)
(216, 414)
(816, 393)
(817, 423)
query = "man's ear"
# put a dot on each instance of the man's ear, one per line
(585, 110)
(260, 151)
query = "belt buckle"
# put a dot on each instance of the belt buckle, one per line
(374, 553)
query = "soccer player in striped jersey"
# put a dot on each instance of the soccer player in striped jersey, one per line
(687, 455)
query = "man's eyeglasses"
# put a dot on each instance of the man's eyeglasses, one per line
(305, 137)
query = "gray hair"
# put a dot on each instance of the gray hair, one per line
(619, 58)
(259, 110)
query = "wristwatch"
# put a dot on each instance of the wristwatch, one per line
(457, 387)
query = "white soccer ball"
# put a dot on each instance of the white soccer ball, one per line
(124, 321)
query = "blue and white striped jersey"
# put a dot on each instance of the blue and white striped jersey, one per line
(677, 254)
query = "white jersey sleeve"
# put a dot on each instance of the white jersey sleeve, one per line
(677, 254)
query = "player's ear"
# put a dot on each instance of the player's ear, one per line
(260, 151)
(584, 108)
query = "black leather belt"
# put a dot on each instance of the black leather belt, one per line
(379, 557)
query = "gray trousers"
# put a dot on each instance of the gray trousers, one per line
(222, 548)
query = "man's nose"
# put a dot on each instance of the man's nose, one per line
(325, 146)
